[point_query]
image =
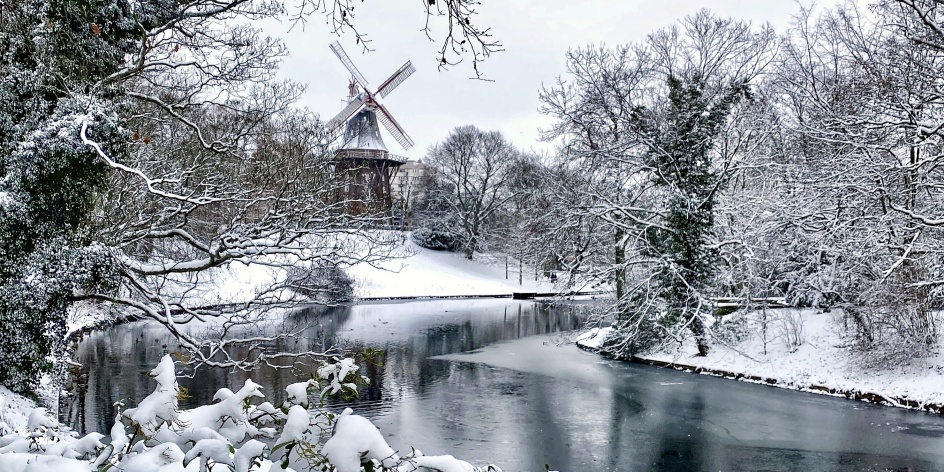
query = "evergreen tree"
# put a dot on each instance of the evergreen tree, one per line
(680, 141)
(53, 57)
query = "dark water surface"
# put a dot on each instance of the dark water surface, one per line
(489, 381)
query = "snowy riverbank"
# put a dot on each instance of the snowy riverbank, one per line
(804, 350)
(14, 411)
(421, 272)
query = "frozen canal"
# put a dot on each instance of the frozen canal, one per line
(489, 381)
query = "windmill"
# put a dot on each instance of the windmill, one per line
(363, 161)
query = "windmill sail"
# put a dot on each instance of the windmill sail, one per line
(393, 127)
(396, 79)
(346, 113)
(338, 51)
(367, 102)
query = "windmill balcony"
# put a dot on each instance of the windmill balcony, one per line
(370, 154)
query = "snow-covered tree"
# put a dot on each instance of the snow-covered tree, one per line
(642, 121)
(146, 148)
(475, 166)
(680, 139)
(55, 56)
(861, 110)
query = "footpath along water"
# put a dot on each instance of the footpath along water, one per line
(493, 381)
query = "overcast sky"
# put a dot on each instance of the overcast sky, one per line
(534, 33)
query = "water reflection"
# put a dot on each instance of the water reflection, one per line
(584, 413)
(402, 336)
(444, 382)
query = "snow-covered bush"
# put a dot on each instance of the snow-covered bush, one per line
(734, 328)
(33, 306)
(790, 327)
(637, 327)
(891, 334)
(325, 282)
(241, 432)
(438, 236)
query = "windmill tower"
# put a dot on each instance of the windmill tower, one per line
(363, 161)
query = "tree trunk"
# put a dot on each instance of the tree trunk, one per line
(520, 270)
(619, 260)
(698, 329)
(470, 248)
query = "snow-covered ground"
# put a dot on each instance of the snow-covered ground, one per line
(14, 411)
(412, 271)
(806, 351)
(420, 272)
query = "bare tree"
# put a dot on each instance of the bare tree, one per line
(520, 229)
(476, 165)
(594, 113)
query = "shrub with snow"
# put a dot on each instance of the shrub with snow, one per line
(241, 432)
(735, 328)
(438, 236)
(325, 282)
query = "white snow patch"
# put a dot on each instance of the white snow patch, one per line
(424, 272)
(445, 463)
(22, 462)
(296, 425)
(355, 437)
(804, 348)
(14, 412)
(594, 338)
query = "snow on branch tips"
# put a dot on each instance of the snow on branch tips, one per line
(240, 433)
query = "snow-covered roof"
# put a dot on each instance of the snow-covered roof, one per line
(362, 132)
